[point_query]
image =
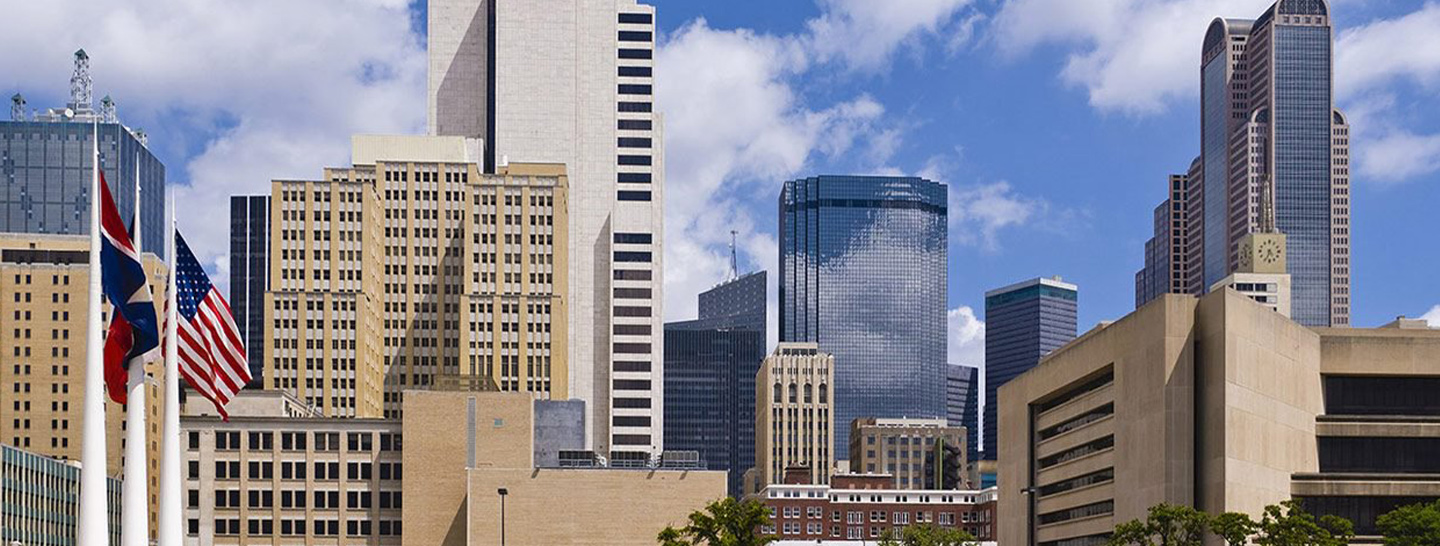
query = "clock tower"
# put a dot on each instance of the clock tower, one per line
(1261, 253)
(1260, 272)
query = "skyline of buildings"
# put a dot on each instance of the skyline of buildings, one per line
(1023, 322)
(863, 273)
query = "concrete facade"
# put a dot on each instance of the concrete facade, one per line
(1218, 403)
(794, 420)
(905, 449)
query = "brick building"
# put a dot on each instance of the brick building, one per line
(861, 507)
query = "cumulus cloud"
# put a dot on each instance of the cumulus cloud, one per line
(1370, 61)
(978, 213)
(864, 34)
(1433, 317)
(965, 336)
(240, 92)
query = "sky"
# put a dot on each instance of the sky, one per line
(1054, 122)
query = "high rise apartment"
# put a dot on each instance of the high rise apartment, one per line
(44, 282)
(1268, 117)
(1023, 322)
(45, 166)
(962, 405)
(794, 423)
(710, 366)
(572, 82)
(863, 274)
(412, 265)
(250, 276)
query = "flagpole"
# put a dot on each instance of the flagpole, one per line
(93, 522)
(170, 516)
(135, 524)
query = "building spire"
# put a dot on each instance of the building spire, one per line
(734, 262)
(1267, 205)
(80, 85)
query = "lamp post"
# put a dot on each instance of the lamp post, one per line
(503, 492)
(1030, 493)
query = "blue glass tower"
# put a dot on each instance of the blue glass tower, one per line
(863, 274)
(962, 405)
(710, 367)
(250, 276)
(1023, 322)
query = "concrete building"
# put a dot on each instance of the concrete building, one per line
(1221, 404)
(43, 299)
(962, 405)
(859, 508)
(559, 428)
(911, 452)
(467, 276)
(710, 367)
(1023, 322)
(794, 417)
(41, 495)
(1268, 117)
(571, 82)
(863, 273)
(250, 276)
(46, 159)
(1165, 252)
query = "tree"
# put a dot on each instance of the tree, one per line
(1234, 528)
(726, 522)
(1288, 524)
(1166, 525)
(926, 535)
(1412, 525)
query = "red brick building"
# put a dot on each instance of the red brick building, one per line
(862, 506)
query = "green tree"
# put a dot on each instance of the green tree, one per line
(1412, 525)
(726, 522)
(1235, 528)
(1165, 525)
(1288, 524)
(926, 535)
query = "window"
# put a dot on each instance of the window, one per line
(1379, 455)
(360, 441)
(632, 403)
(632, 312)
(1348, 395)
(632, 256)
(1085, 511)
(634, 36)
(635, 18)
(633, 330)
(634, 125)
(633, 178)
(633, 195)
(629, 53)
(633, 238)
(635, 71)
(632, 366)
(634, 89)
(633, 107)
(641, 160)
(227, 441)
(632, 274)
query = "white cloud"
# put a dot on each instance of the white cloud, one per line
(1433, 317)
(978, 213)
(1396, 155)
(1371, 60)
(245, 92)
(864, 34)
(965, 336)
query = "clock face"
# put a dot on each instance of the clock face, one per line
(1270, 252)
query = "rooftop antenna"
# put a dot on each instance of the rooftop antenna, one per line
(107, 110)
(734, 263)
(80, 82)
(17, 108)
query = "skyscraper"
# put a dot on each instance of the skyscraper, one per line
(45, 166)
(571, 82)
(962, 405)
(863, 274)
(1268, 115)
(250, 275)
(1023, 322)
(794, 414)
(1165, 253)
(710, 366)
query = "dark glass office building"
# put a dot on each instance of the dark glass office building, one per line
(249, 275)
(45, 177)
(962, 405)
(710, 367)
(863, 274)
(1023, 322)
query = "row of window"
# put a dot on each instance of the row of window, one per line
(296, 441)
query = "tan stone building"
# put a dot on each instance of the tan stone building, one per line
(43, 303)
(1222, 404)
(412, 265)
(794, 424)
(906, 450)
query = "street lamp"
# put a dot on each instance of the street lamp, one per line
(1031, 493)
(503, 492)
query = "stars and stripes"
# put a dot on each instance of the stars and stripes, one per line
(135, 330)
(211, 353)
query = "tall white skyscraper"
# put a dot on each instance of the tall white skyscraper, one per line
(571, 81)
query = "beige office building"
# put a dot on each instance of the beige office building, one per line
(412, 265)
(1222, 404)
(43, 304)
(794, 423)
(903, 448)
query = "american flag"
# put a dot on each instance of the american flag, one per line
(212, 356)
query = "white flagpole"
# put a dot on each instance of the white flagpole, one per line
(170, 516)
(135, 525)
(93, 522)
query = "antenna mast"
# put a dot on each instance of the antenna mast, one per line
(734, 263)
(80, 84)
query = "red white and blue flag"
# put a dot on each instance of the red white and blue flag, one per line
(134, 331)
(212, 355)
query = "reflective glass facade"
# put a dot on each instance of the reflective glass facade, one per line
(1023, 322)
(863, 274)
(1302, 165)
(249, 275)
(710, 367)
(45, 179)
(962, 405)
(1215, 136)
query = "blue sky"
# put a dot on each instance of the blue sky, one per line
(1055, 122)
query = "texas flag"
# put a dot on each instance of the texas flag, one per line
(134, 331)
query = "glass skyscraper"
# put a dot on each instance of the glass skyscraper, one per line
(863, 275)
(962, 405)
(710, 367)
(1023, 322)
(250, 275)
